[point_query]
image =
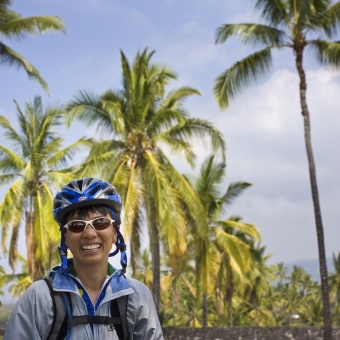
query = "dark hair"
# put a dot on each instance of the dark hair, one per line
(83, 212)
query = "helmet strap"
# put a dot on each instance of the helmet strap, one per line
(120, 246)
(63, 251)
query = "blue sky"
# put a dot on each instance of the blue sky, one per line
(263, 126)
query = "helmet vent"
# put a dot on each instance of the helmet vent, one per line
(80, 184)
(68, 196)
(94, 190)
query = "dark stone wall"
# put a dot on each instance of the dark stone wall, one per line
(245, 333)
(248, 333)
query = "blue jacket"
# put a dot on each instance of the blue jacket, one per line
(32, 316)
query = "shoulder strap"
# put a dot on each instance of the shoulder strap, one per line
(119, 310)
(59, 326)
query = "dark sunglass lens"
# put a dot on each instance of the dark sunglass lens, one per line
(76, 226)
(101, 223)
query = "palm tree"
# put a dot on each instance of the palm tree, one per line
(139, 121)
(34, 162)
(334, 282)
(259, 277)
(227, 277)
(291, 24)
(281, 273)
(13, 25)
(216, 242)
(144, 272)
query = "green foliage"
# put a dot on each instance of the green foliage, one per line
(288, 24)
(13, 26)
(31, 166)
(5, 313)
(135, 123)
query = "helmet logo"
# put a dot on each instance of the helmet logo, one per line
(82, 198)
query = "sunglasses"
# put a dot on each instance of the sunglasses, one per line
(99, 223)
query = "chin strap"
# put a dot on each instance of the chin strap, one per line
(63, 252)
(120, 246)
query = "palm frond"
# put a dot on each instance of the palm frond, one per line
(240, 75)
(194, 129)
(234, 190)
(10, 132)
(12, 58)
(61, 157)
(131, 199)
(19, 26)
(328, 52)
(251, 33)
(275, 12)
(88, 108)
(239, 251)
(244, 228)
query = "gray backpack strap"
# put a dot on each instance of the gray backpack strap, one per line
(122, 306)
(58, 328)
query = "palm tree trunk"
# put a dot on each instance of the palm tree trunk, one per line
(134, 243)
(13, 256)
(315, 196)
(154, 244)
(205, 314)
(30, 245)
(155, 251)
(230, 290)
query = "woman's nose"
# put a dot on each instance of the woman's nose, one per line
(89, 231)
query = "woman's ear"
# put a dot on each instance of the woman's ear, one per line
(114, 238)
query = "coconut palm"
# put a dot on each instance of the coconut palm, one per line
(13, 25)
(334, 282)
(293, 24)
(259, 282)
(31, 165)
(227, 277)
(216, 243)
(138, 121)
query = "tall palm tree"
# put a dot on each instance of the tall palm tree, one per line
(291, 24)
(138, 121)
(13, 25)
(216, 243)
(34, 162)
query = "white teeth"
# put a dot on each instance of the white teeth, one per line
(90, 246)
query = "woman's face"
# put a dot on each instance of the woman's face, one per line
(91, 246)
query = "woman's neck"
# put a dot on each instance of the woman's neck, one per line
(92, 279)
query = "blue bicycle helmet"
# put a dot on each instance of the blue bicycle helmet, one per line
(84, 192)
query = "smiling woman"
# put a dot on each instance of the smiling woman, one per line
(90, 246)
(88, 213)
